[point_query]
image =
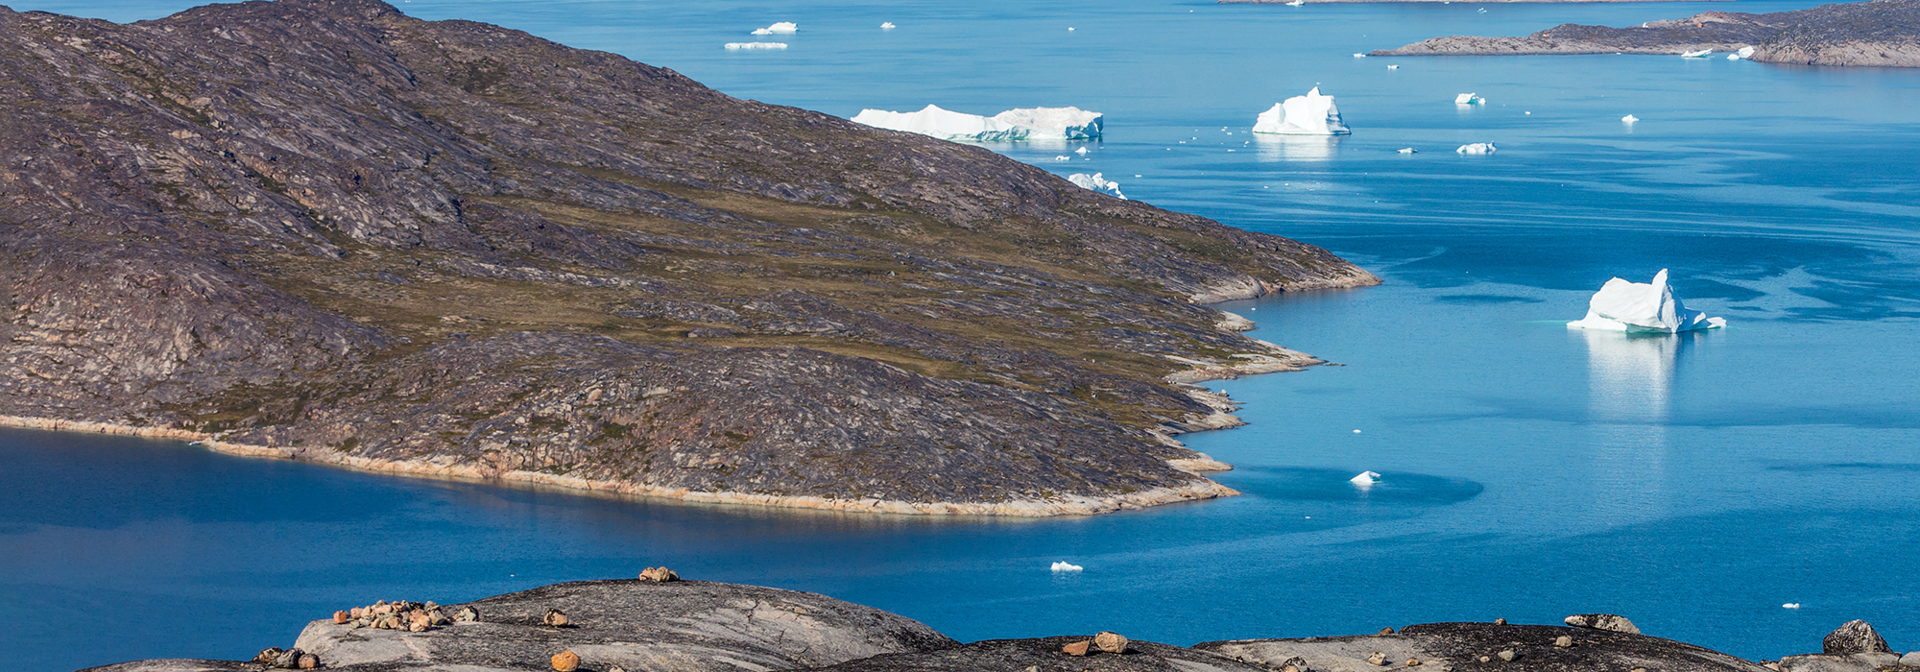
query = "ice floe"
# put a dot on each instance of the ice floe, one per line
(1097, 183)
(1032, 123)
(1478, 148)
(1064, 566)
(1696, 54)
(1311, 114)
(1642, 307)
(737, 46)
(1366, 478)
(781, 28)
(1469, 99)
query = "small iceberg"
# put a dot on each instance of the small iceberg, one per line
(1409, 150)
(1469, 99)
(887, 25)
(1366, 478)
(1096, 183)
(1642, 308)
(1477, 148)
(1311, 114)
(1629, 119)
(1036, 123)
(1081, 151)
(1296, 3)
(1696, 54)
(750, 46)
(1064, 566)
(1393, 67)
(1359, 55)
(1745, 52)
(781, 28)
(1790, 605)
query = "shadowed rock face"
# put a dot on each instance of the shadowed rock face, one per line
(1460, 646)
(1877, 33)
(330, 231)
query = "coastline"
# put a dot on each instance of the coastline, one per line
(1275, 359)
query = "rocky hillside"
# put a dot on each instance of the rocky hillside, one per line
(321, 229)
(695, 626)
(1878, 33)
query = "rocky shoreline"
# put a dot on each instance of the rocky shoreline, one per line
(1880, 33)
(659, 623)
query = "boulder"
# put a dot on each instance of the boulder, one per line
(1077, 648)
(1838, 662)
(1110, 642)
(1613, 622)
(1912, 659)
(1854, 636)
(641, 626)
(566, 661)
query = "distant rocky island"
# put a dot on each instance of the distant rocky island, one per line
(1439, 2)
(659, 623)
(323, 230)
(1882, 33)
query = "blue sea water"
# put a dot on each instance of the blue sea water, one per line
(1694, 483)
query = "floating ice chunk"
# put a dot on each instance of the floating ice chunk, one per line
(1790, 605)
(736, 46)
(1478, 148)
(1064, 566)
(1068, 123)
(1629, 119)
(1096, 183)
(887, 25)
(1356, 431)
(1359, 55)
(1311, 114)
(781, 28)
(1745, 52)
(1296, 3)
(1081, 151)
(1071, 123)
(1733, 57)
(1393, 67)
(1643, 308)
(1696, 54)
(1366, 478)
(1469, 99)
(1409, 150)
(944, 124)
(1062, 157)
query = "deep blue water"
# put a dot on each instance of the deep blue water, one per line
(1694, 484)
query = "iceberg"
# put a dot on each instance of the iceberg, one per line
(1064, 566)
(1359, 55)
(1478, 148)
(1696, 54)
(781, 28)
(1745, 52)
(1071, 123)
(1643, 308)
(1096, 183)
(1311, 114)
(1409, 150)
(1366, 478)
(1033, 123)
(1469, 99)
(736, 46)
(1629, 119)
(1790, 605)
(887, 25)
(1393, 67)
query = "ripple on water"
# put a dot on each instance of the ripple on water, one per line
(1303, 484)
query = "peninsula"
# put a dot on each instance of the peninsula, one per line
(1883, 33)
(323, 230)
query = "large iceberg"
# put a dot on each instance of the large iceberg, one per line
(1311, 114)
(1033, 123)
(1643, 308)
(1096, 183)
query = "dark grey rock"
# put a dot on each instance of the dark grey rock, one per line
(1461, 647)
(1012, 655)
(1855, 636)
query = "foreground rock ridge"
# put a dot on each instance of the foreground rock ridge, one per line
(661, 624)
(323, 230)
(1877, 33)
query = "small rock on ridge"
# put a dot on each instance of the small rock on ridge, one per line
(1855, 636)
(1613, 622)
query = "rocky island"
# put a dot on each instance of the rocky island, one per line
(659, 623)
(323, 230)
(1878, 33)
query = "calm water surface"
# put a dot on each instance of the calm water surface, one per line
(1692, 483)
